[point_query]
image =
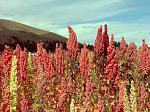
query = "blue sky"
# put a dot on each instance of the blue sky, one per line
(124, 18)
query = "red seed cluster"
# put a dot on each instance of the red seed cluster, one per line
(23, 67)
(6, 66)
(144, 58)
(99, 44)
(84, 62)
(6, 60)
(50, 68)
(59, 59)
(112, 62)
(48, 63)
(72, 44)
(131, 52)
(105, 39)
(122, 47)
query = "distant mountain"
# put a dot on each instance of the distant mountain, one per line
(11, 31)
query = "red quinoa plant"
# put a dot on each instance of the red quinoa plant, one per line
(72, 44)
(99, 52)
(6, 66)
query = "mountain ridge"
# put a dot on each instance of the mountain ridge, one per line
(9, 29)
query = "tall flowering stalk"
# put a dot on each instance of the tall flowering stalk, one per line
(112, 63)
(47, 62)
(23, 66)
(6, 66)
(6, 61)
(99, 45)
(22, 75)
(143, 55)
(99, 51)
(122, 64)
(144, 59)
(45, 59)
(130, 64)
(13, 85)
(72, 44)
(50, 68)
(71, 61)
(122, 47)
(131, 54)
(84, 62)
(133, 97)
(59, 60)
(105, 39)
(84, 69)
(111, 74)
(41, 77)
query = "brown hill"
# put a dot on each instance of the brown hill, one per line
(10, 30)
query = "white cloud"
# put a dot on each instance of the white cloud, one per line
(61, 12)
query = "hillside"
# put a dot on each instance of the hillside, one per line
(10, 30)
